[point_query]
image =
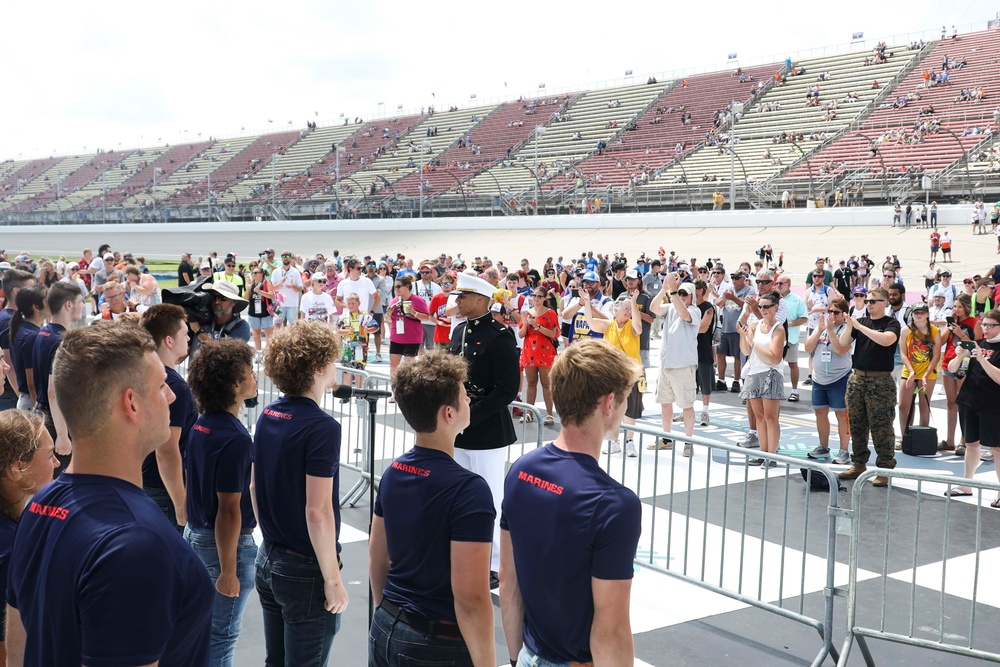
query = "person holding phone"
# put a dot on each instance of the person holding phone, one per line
(979, 398)
(960, 328)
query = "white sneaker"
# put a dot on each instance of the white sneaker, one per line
(687, 450)
(704, 420)
(987, 455)
(630, 450)
(678, 418)
(613, 447)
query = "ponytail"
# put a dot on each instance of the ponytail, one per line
(29, 300)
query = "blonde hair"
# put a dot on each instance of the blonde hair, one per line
(586, 372)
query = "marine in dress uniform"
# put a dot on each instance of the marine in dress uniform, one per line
(494, 376)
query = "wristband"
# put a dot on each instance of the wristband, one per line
(671, 294)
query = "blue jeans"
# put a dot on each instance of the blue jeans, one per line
(298, 630)
(227, 612)
(528, 659)
(163, 501)
(393, 643)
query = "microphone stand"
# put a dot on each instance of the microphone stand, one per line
(372, 409)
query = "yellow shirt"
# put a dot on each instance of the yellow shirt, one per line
(623, 338)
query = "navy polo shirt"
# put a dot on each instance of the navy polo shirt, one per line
(6, 544)
(42, 355)
(569, 522)
(20, 353)
(217, 461)
(427, 502)
(182, 414)
(101, 578)
(5, 315)
(294, 438)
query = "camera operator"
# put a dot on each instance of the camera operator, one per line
(225, 321)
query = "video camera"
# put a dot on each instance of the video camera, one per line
(191, 297)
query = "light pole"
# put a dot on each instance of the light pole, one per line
(153, 191)
(737, 110)
(104, 198)
(539, 130)
(274, 160)
(424, 147)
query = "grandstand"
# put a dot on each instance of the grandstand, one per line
(869, 118)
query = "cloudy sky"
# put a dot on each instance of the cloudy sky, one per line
(80, 76)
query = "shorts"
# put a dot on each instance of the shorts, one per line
(767, 385)
(979, 426)
(428, 337)
(677, 385)
(564, 330)
(633, 404)
(378, 317)
(404, 349)
(258, 323)
(792, 356)
(729, 345)
(705, 377)
(288, 315)
(833, 395)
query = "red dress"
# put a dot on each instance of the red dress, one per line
(538, 350)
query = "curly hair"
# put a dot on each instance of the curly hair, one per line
(421, 388)
(297, 352)
(216, 370)
(20, 438)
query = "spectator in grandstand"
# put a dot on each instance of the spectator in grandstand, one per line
(679, 359)
(921, 352)
(405, 313)
(494, 376)
(108, 558)
(572, 608)
(763, 341)
(32, 311)
(296, 483)
(871, 392)
(287, 280)
(430, 586)
(960, 327)
(832, 347)
(27, 460)
(226, 321)
(220, 518)
(261, 307)
(539, 328)
(979, 396)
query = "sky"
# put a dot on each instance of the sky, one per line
(82, 76)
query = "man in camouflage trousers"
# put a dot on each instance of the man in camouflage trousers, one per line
(871, 391)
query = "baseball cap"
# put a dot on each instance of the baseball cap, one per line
(860, 291)
(633, 274)
(590, 276)
(946, 272)
(5, 266)
(920, 305)
(687, 288)
(205, 265)
(738, 274)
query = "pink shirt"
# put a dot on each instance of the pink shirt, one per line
(413, 330)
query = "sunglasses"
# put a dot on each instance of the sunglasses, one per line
(321, 282)
(538, 296)
(230, 265)
(764, 282)
(818, 275)
(718, 273)
(835, 312)
(968, 282)
(425, 273)
(767, 307)
(398, 286)
(447, 284)
(871, 301)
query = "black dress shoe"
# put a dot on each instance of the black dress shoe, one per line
(494, 580)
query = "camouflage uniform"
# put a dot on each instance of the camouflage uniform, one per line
(871, 406)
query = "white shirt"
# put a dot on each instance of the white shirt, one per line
(949, 292)
(317, 307)
(289, 296)
(422, 289)
(363, 287)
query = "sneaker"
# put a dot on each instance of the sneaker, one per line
(704, 419)
(769, 463)
(378, 358)
(720, 385)
(853, 472)
(687, 450)
(613, 447)
(755, 462)
(678, 418)
(808, 381)
(899, 445)
(842, 458)
(987, 455)
(661, 443)
(735, 389)
(749, 442)
(630, 450)
(819, 453)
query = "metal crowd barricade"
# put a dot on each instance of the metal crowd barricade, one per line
(904, 541)
(700, 528)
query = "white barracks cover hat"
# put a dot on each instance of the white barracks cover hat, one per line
(472, 285)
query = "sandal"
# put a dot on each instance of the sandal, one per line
(527, 417)
(957, 493)
(549, 421)
(995, 504)
(794, 398)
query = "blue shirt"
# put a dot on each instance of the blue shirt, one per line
(294, 438)
(101, 578)
(6, 544)
(5, 315)
(20, 353)
(42, 355)
(183, 415)
(425, 488)
(217, 461)
(569, 522)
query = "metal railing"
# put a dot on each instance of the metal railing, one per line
(760, 536)
(891, 538)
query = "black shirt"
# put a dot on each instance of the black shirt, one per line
(617, 288)
(643, 302)
(185, 269)
(979, 391)
(842, 281)
(869, 355)
(705, 352)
